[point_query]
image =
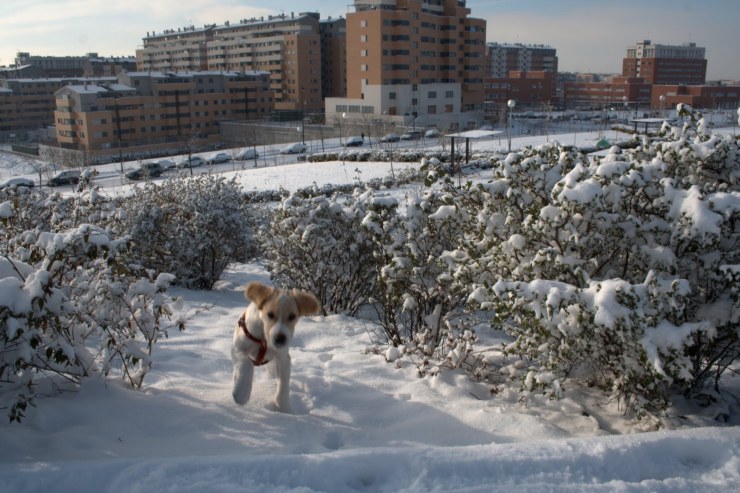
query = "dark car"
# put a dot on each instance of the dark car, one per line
(354, 141)
(146, 170)
(66, 177)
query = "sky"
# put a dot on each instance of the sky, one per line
(589, 35)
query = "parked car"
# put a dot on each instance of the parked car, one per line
(219, 157)
(165, 164)
(246, 154)
(17, 182)
(296, 148)
(355, 141)
(390, 138)
(66, 177)
(412, 135)
(432, 133)
(194, 162)
(146, 170)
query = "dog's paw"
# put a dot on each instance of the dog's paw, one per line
(283, 407)
(240, 395)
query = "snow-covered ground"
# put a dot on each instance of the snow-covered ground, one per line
(358, 423)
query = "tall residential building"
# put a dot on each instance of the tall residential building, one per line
(504, 58)
(666, 64)
(333, 57)
(286, 46)
(149, 111)
(413, 62)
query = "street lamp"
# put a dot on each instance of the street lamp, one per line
(662, 102)
(510, 103)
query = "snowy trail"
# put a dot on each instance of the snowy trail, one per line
(700, 460)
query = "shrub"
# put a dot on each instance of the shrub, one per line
(193, 228)
(316, 244)
(74, 305)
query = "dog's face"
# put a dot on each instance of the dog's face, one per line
(279, 311)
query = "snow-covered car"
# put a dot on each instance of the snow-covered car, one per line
(432, 133)
(412, 135)
(390, 138)
(354, 141)
(218, 158)
(246, 154)
(66, 177)
(17, 182)
(296, 148)
(194, 162)
(146, 170)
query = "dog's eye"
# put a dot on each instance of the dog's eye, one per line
(271, 315)
(292, 317)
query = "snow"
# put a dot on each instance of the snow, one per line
(359, 423)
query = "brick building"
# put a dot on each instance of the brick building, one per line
(613, 91)
(666, 64)
(143, 112)
(531, 90)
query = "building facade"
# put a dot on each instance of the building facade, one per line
(414, 63)
(286, 46)
(666, 64)
(505, 58)
(333, 58)
(715, 96)
(30, 103)
(530, 90)
(145, 111)
(615, 92)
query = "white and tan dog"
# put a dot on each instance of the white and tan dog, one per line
(264, 333)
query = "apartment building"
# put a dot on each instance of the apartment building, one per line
(666, 64)
(414, 63)
(30, 103)
(54, 66)
(504, 58)
(148, 111)
(286, 46)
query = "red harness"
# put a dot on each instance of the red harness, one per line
(260, 360)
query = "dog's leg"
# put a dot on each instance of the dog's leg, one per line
(243, 374)
(282, 396)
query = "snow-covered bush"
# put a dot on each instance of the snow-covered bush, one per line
(619, 272)
(317, 244)
(414, 288)
(73, 305)
(192, 228)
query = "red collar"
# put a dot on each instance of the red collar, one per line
(260, 360)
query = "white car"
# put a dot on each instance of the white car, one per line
(432, 133)
(17, 182)
(219, 157)
(296, 148)
(246, 154)
(194, 162)
(165, 164)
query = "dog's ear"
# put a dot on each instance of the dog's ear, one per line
(258, 293)
(307, 302)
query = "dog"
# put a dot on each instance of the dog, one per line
(264, 333)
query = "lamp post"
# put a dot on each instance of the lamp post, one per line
(303, 119)
(626, 109)
(662, 103)
(510, 103)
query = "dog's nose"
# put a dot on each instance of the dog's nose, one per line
(280, 340)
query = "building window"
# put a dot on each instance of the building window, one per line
(392, 96)
(363, 52)
(363, 38)
(432, 109)
(432, 95)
